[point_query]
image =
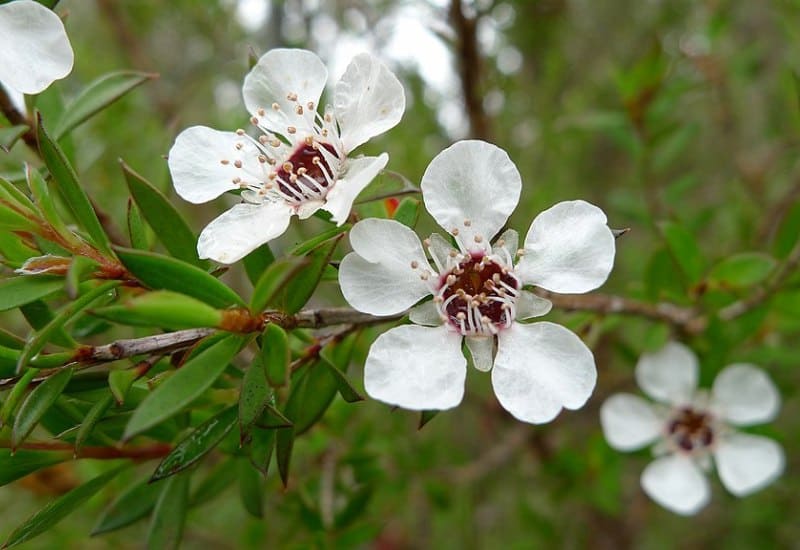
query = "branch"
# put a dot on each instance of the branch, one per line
(470, 65)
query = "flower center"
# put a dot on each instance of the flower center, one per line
(690, 430)
(306, 175)
(478, 296)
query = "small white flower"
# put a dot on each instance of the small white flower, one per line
(34, 48)
(300, 162)
(690, 427)
(478, 291)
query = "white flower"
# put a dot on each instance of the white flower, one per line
(691, 427)
(470, 189)
(34, 48)
(300, 162)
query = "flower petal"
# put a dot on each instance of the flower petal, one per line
(541, 368)
(529, 305)
(278, 74)
(568, 249)
(668, 375)
(242, 229)
(481, 348)
(440, 249)
(418, 368)
(203, 163)
(360, 172)
(744, 395)
(747, 463)
(425, 314)
(629, 422)
(378, 277)
(471, 181)
(34, 48)
(368, 100)
(506, 246)
(677, 484)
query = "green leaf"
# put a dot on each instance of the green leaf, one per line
(343, 385)
(162, 308)
(742, 270)
(788, 232)
(44, 201)
(164, 273)
(251, 490)
(293, 295)
(257, 262)
(42, 337)
(70, 189)
(137, 232)
(18, 291)
(684, 249)
(425, 417)
(60, 508)
(37, 403)
(273, 280)
(12, 220)
(260, 448)
(120, 382)
(10, 135)
(253, 397)
(197, 444)
(184, 386)
(169, 226)
(131, 506)
(96, 96)
(272, 418)
(169, 516)
(407, 212)
(80, 268)
(22, 462)
(275, 355)
(305, 247)
(15, 395)
(91, 419)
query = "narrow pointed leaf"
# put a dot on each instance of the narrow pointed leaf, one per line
(251, 491)
(37, 403)
(169, 516)
(297, 291)
(183, 387)
(18, 291)
(137, 232)
(167, 223)
(257, 262)
(162, 308)
(10, 135)
(98, 95)
(742, 270)
(271, 419)
(305, 247)
(70, 189)
(60, 508)
(44, 200)
(120, 382)
(91, 419)
(425, 417)
(164, 273)
(407, 212)
(253, 397)
(275, 355)
(343, 385)
(274, 279)
(260, 447)
(131, 506)
(197, 444)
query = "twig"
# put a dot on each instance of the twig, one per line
(494, 458)
(146, 452)
(470, 66)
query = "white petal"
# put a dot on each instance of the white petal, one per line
(426, 314)
(676, 483)
(482, 350)
(529, 305)
(368, 100)
(508, 249)
(277, 74)
(360, 172)
(668, 375)
(34, 48)
(417, 368)
(242, 229)
(744, 395)
(440, 249)
(378, 278)
(629, 422)
(475, 181)
(569, 249)
(307, 208)
(541, 368)
(196, 163)
(747, 463)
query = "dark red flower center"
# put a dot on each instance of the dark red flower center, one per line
(478, 296)
(306, 174)
(690, 429)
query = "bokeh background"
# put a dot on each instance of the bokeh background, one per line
(682, 111)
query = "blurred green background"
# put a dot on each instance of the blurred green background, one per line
(683, 111)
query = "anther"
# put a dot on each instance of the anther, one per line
(239, 145)
(263, 140)
(239, 132)
(478, 238)
(426, 242)
(287, 166)
(310, 105)
(299, 109)
(453, 253)
(309, 141)
(262, 159)
(276, 107)
(467, 223)
(414, 264)
(461, 315)
(261, 112)
(275, 142)
(501, 242)
(521, 252)
(291, 130)
(254, 121)
(237, 163)
(225, 162)
(454, 232)
(291, 96)
(237, 180)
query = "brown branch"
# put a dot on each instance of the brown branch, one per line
(146, 452)
(495, 457)
(470, 66)
(17, 118)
